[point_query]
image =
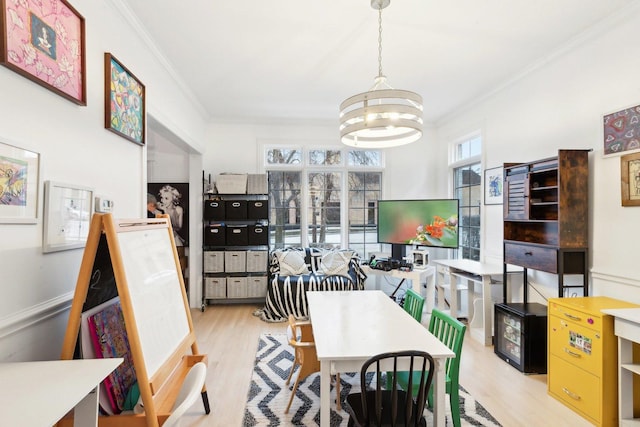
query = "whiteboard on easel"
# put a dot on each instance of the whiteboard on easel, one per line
(155, 293)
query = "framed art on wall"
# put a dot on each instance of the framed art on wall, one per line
(124, 99)
(67, 216)
(630, 179)
(621, 131)
(493, 186)
(19, 181)
(45, 42)
(173, 200)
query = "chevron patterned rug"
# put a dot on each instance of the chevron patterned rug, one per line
(268, 395)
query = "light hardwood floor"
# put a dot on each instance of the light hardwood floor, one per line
(229, 335)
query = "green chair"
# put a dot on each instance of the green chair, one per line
(413, 303)
(451, 332)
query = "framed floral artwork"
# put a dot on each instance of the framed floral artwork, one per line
(45, 42)
(630, 179)
(124, 97)
(493, 186)
(67, 216)
(621, 131)
(19, 181)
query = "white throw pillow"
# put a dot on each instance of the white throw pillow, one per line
(336, 262)
(292, 263)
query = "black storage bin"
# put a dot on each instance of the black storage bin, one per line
(214, 235)
(214, 209)
(259, 235)
(236, 209)
(237, 235)
(257, 209)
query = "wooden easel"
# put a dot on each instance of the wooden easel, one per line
(146, 270)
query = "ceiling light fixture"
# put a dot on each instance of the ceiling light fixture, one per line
(383, 116)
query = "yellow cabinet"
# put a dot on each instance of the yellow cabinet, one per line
(583, 356)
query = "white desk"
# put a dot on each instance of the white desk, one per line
(480, 327)
(417, 276)
(36, 394)
(627, 329)
(350, 327)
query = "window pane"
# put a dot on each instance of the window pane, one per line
(284, 156)
(325, 157)
(284, 208)
(365, 158)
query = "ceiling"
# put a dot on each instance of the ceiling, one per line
(298, 59)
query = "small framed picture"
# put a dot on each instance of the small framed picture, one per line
(19, 181)
(124, 99)
(493, 186)
(67, 216)
(630, 179)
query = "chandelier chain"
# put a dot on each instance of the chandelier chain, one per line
(380, 42)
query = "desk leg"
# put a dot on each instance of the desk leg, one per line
(487, 306)
(85, 413)
(453, 295)
(439, 394)
(431, 292)
(325, 393)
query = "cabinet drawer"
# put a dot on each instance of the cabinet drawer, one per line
(235, 261)
(576, 388)
(576, 344)
(257, 286)
(593, 320)
(543, 259)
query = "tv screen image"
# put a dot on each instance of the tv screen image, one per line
(429, 222)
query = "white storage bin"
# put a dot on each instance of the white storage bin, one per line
(257, 286)
(257, 184)
(257, 261)
(215, 287)
(235, 261)
(213, 261)
(231, 183)
(236, 287)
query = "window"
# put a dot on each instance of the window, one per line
(324, 203)
(467, 189)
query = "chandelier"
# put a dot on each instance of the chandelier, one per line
(383, 116)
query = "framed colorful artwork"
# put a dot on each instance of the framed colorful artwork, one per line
(124, 97)
(622, 131)
(493, 186)
(19, 181)
(67, 216)
(44, 42)
(630, 179)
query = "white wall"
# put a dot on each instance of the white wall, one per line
(36, 288)
(560, 105)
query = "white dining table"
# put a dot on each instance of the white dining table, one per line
(351, 326)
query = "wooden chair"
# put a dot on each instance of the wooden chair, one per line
(451, 332)
(301, 339)
(392, 406)
(413, 304)
(190, 391)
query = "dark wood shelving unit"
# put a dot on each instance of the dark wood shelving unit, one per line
(546, 217)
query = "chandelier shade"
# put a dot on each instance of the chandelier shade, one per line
(382, 117)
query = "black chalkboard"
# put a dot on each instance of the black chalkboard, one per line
(102, 284)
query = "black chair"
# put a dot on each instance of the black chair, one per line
(392, 407)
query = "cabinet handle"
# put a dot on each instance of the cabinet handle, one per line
(571, 394)
(572, 317)
(528, 253)
(571, 353)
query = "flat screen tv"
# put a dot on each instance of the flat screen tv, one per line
(428, 222)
